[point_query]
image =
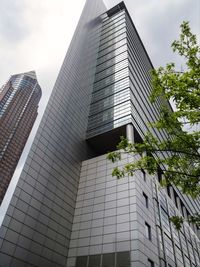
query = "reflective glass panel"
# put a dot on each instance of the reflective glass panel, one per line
(108, 260)
(81, 261)
(94, 261)
(123, 259)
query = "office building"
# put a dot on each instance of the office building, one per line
(67, 209)
(19, 99)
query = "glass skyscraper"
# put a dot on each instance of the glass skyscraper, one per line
(19, 99)
(67, 209)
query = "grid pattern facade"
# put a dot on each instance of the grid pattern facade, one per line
(176, 248)
(111, 215)
(67, 209)
(19, 100)
(37, 226)
(131, 214)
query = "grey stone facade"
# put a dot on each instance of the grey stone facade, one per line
(110, 215)
(127, 215)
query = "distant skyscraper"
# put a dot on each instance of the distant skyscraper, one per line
(67, 209)
(19, 99)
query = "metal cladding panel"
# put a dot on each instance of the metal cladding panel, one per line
(110, 216)
(37, 226)
(103, 85)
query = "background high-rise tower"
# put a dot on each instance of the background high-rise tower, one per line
(19, 99)
(67, 209)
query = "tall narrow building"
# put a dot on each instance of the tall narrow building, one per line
(19, 99)
(67, 209)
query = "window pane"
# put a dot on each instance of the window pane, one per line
(144, 175)
(94, 261)
(150, 263)
(146, 202)
(108, 260)
(123, 259)
(148, 231)
(81, 261)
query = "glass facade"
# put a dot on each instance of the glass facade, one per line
(119, 259)
(19, 99)
(110, 105)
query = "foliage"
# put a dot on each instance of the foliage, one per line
(178, 156)
(178, 221)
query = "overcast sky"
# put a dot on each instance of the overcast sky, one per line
(34, 35)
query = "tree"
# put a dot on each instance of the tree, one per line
(178, 157)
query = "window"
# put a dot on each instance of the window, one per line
(146, 200)
(81, 261)
(119, 259)
(144, 175)
(168, 190)
(123, 259)
(108, 260)
(94, 261)
(160, 175)
(148, 230)
(150, 263)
